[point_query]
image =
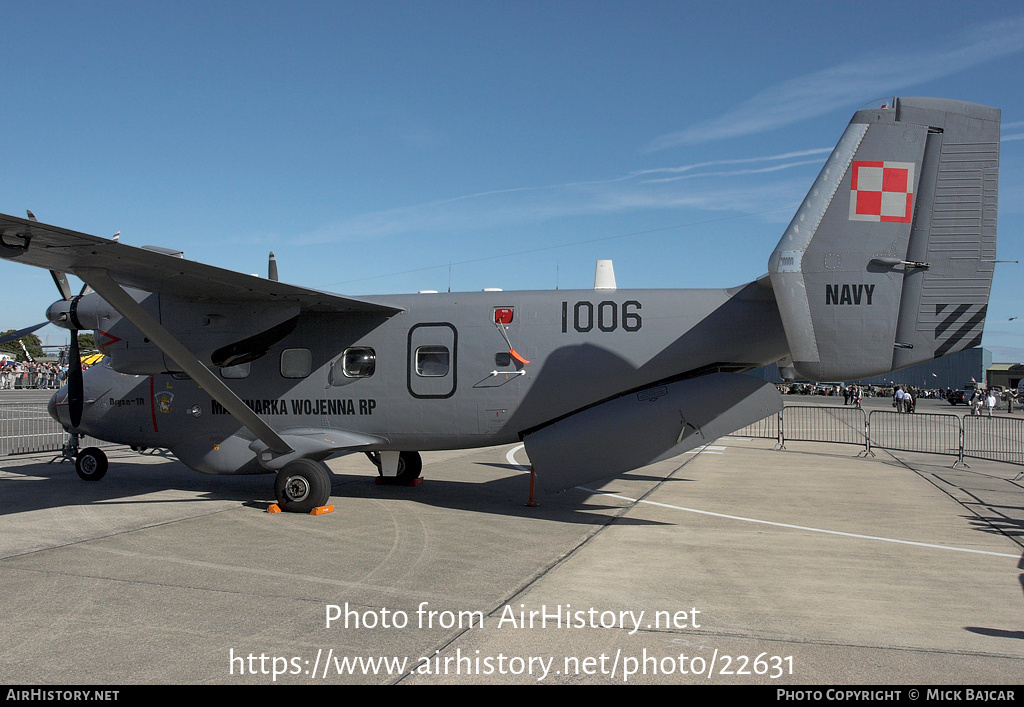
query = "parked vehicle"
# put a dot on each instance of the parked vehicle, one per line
(957, 397)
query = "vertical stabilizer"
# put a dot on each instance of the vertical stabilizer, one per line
(888, 261)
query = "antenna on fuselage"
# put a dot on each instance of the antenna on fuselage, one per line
(272, 267)
(604, 275)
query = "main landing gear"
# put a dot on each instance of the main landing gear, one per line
(302, 485)
(305, 484)
(409, 467)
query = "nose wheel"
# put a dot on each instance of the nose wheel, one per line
(91, 464)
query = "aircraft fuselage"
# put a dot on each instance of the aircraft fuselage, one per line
(448, 371)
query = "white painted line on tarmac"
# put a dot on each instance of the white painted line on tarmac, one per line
(706, 449)
(510, 457)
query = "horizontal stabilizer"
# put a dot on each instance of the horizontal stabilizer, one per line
(646, 426)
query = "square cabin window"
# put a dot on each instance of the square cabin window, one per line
(432, 361)
(296, 363)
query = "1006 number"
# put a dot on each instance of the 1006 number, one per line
(604, 316)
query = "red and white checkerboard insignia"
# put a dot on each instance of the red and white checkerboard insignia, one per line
(882, 191)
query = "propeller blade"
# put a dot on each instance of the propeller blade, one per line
(76, 389)
(63, 286)
(15, 335)
(272, 267)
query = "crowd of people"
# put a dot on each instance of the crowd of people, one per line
(31, 374)
(988, 400)
(853, 391)
(905, 397)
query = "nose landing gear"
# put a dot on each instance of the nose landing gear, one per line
(91, 464)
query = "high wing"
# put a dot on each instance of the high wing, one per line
(63, 250)
(108, 266)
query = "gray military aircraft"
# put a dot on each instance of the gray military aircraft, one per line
(888, 262)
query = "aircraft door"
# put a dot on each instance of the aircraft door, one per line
(433, 358)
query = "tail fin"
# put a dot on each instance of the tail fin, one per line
(888, 261)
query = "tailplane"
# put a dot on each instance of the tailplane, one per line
(888, 262)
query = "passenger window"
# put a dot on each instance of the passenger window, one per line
(296, 363)
(356, 362)
(432, 361)
(502, 360)
(240, 370)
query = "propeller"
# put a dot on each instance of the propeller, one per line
(76, 388)
(63, 286)
(15, 335)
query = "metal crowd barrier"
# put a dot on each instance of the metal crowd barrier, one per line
(917, 432)
(26, 428)
(769, 427)
(844, 425)
(998, 439)
(31, 380)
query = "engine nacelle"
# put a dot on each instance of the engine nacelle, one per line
(220, 334)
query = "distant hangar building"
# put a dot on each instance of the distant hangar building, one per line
(1008, 375)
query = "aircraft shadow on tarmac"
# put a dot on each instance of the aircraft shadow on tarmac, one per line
(1000, 632)
(995, 632)
(57, 485)
(52, 485)
(505, 496)
(632, 475)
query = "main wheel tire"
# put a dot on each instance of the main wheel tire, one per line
(409, 467)
(91, 464)
(302, 485)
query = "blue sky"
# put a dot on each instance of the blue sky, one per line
(382, 147)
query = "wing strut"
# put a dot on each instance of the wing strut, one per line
(131, 310)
